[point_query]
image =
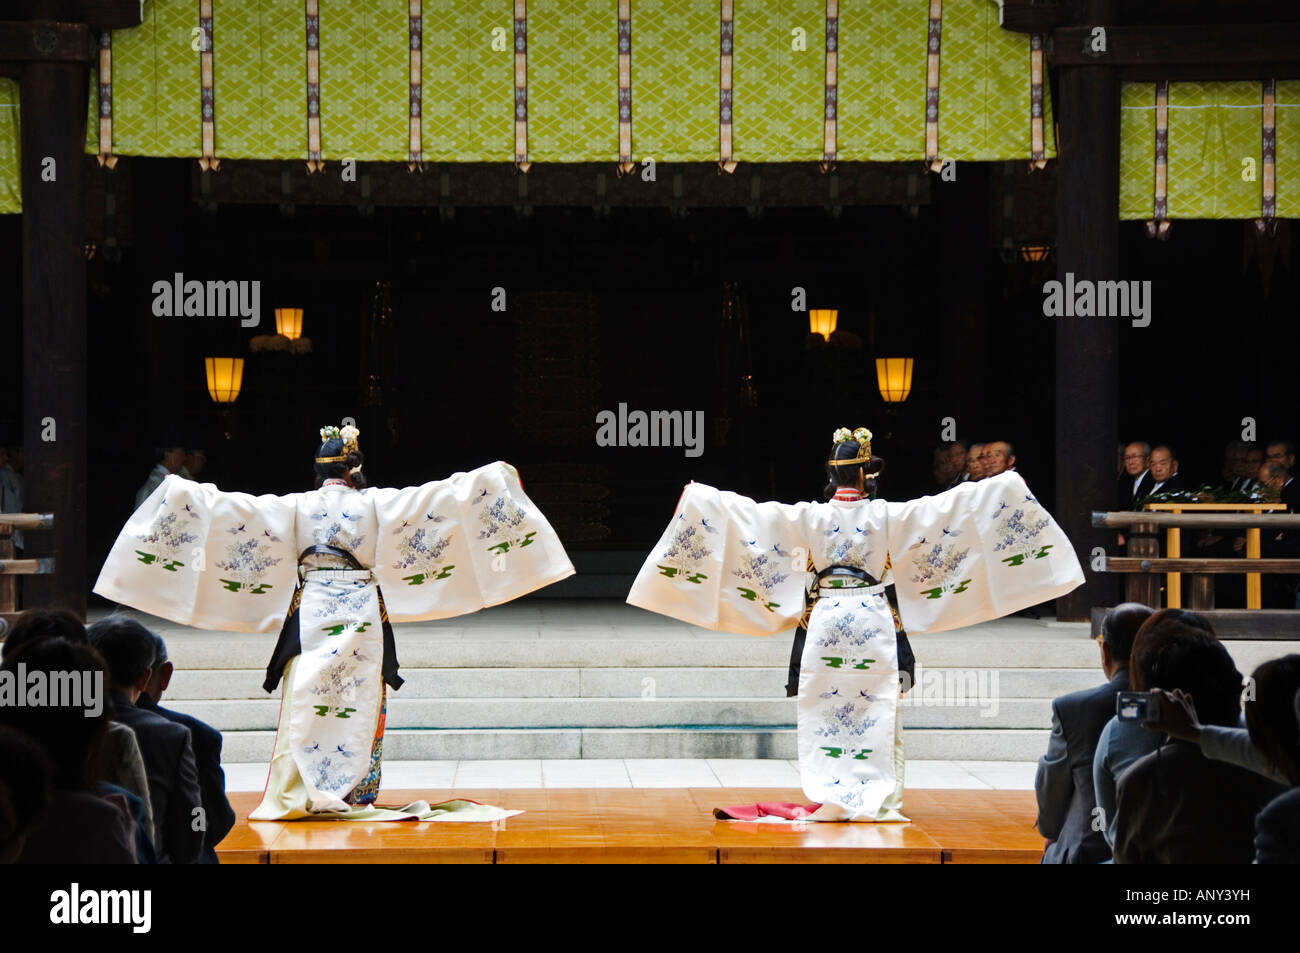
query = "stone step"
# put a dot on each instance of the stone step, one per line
(932, 744)
(227, 716)
(601, 649)
(676, 682)
(672, 647)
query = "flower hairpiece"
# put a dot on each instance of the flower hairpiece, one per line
(844, 435)
(860, 436)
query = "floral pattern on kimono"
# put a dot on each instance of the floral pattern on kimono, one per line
(248, 561)
(420, 550)
(688, 547)
(1019, 530)
(168, 535)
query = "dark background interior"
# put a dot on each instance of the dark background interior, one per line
(630, 308)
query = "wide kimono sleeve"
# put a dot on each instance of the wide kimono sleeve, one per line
(976, 552)
(728, 563)
(458, 545)
(199, 556)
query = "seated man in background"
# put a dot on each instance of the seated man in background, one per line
(1063, 783)
(1176, 806)
(997, 457)
(128, 649)
(974, 464)
(1164, 471)
(219, 817)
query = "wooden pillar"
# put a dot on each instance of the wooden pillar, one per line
(53, 106)
(1087, 377)
(963, 212)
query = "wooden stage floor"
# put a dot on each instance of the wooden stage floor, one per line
(649, 825)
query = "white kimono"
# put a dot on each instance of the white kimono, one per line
(976, 552)
(230, 561)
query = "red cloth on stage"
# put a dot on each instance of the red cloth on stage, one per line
(752, 812)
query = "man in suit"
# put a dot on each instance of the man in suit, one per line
(1164, 471)
(1136, 481)
(997, 457)
(1063, 783)
(1175, 805)
(167, 460)
(974, 462)
(128, 649)
(1277, 828)
(219, 816)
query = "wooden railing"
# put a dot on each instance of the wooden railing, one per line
(1173, 564)
(11, 568)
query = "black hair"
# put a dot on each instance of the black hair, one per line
(848, 475)
(24, 785)
(37, 624)
(127, 646)
(1120, 625)
(1271, 716)
(159, 650)
(1177, 655)
(1288, 448)
(72, 738)
(339, 470)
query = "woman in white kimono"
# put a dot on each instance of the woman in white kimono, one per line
(312, 565)
(973, 553)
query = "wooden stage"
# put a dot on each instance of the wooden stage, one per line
(649, 825)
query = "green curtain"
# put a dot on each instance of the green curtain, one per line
(467, 81)
(1215, 150)
(11, 192)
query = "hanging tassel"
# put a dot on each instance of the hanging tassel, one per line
(725, 161)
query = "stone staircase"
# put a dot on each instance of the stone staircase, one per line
(552, 679)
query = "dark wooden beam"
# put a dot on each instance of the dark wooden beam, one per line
(1127, 564)
(1220, 44)
(53, 101)
(1022, 16)
(1087, 370)
(1236, 623)
(1209, 72)
(101, 14)
(1121, 519)
(26, 41)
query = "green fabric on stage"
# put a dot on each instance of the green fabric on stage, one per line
(11, 195)
(1213, 127)
(467, 82)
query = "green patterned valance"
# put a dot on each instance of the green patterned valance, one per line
(614, 81)
(1210, 150)
(11, 192)
(570, 81)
